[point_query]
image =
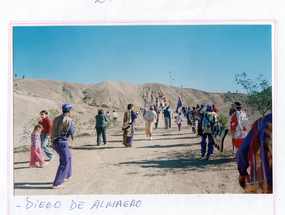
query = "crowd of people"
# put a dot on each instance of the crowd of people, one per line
(200, 118)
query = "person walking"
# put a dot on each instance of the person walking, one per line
(62, 128)
(238, 122)
(215, 109)
(209, 120)
(45, 134)
(101, 126)
(199, 116)
(171, 116)
(108, 115)
(36, 150)
(157, 115)
(150, 118)
(256, 152)
(115, 117)
(188, 117)
(193, 119)
(129, 125)
(179, 120)
(166, 117)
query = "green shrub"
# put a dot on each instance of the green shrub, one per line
(223, 120)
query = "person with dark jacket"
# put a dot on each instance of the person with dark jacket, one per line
(101, 125)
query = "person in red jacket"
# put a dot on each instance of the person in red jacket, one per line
(45, 134)
(215, 109)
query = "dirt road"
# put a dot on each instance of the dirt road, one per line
(171, 163)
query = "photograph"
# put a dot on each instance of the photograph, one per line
(142, 109)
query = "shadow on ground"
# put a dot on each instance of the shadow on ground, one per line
(31, 185)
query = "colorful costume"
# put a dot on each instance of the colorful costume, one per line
(238, 122)
(36, 150)
(160, 102)
(189, 117)
(199, 115)
(256, 152)
(209, 120)
(129, 127)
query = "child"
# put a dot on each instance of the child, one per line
(108, 115)
(36, 150)
(178, 121)
(45, 134)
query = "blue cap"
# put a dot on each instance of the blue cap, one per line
(209, 107)
(151, 107)
(66, 107)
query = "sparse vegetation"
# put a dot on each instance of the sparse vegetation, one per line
(77, 124)
(28, 127)
(190, 102)
(259, 94)
(53, 113)
(112, 123)
(91, 123)
(27, 130)
(223, 120)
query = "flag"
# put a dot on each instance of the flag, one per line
(179, 105)
(144, 111)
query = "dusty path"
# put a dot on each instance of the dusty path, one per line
(168, 164)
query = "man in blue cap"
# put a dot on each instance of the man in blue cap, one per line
(62, 128)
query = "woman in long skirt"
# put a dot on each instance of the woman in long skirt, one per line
(129, 125)
(150, 119)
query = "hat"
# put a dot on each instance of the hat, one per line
(237, 104)
(203, 105)
(209, 107)
(180, 113)
(151, 107)
(66, 107)
(189, 108)
(194, 107)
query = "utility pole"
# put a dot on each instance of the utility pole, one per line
(170, 78)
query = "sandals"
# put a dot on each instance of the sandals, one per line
(60, 186)
(67, 179)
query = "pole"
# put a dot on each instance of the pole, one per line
(181, 92)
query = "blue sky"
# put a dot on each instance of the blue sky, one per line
(203, 57)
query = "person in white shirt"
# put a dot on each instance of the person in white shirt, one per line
(115, 117)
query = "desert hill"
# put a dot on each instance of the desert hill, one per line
(112, 94)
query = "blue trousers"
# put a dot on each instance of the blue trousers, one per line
(45, 149)
(179, 127)
(101, 130)
(64, 168)
(210, 144)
